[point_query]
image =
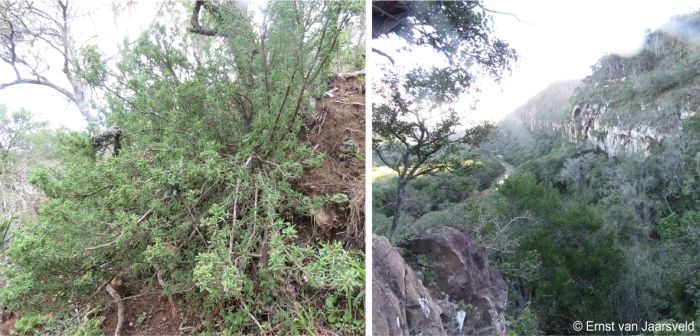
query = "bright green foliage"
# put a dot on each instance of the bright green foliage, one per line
(25, 324)
(342, 273)
(525, 324)
(90, 66)
(335, 269)
(201, 189)
(680, 228)
(90, 327)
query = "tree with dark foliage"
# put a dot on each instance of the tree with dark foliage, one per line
(459, 31)
(409, 137)
(410, 142)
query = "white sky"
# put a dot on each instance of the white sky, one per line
(556, 40)
(97, 25)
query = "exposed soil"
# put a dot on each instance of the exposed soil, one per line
(337, 128)
(147, 313)
(7, 323)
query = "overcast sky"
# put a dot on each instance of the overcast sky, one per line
(556, 40)
(98, 25)
(560, 40)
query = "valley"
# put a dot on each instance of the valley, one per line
(599, 216)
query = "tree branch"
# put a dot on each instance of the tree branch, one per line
(38, 82)
(92, 248)
(386, 162)
(478, 3)
(120, 308)
(32, 35)
(381, 53)
(194, 21)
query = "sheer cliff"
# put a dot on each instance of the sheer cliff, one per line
(630, 105)
(627, 105)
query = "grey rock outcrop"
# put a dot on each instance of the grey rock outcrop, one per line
(616, 139)
(460, 270)
(465, 296)
(401, 304)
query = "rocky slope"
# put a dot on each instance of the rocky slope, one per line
(462, 294)
(630, 105)
(400, 303)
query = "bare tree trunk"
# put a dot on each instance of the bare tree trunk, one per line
(46, 34)
(120, 308)
(397, 207)
(82, 104)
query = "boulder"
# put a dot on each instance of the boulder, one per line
(460, 269)
(401, 304)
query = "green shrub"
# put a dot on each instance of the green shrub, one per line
(525, 324)
(27, 323)
(576, 273)
(89, 327)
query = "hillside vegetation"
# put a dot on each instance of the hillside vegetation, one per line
(604, 223)
(601, 219)
(189, 207)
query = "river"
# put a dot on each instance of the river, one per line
(499, 180)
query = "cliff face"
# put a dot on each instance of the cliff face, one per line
(630, 105)
(586, 126)
(627, 105)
